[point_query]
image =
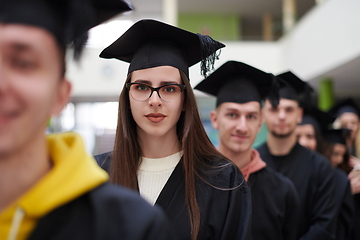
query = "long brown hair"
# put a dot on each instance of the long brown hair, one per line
(196, 147)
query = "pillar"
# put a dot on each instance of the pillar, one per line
(289, 14)
(326, 94)
(170, 12)
(268, 34)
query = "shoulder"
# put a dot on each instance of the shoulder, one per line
(320, 162)
(222, 173)
(276, 181)
(103, 160)
(262, 148)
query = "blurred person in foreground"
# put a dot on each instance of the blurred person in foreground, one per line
(50, 187)
(310, 172)
(239, 89)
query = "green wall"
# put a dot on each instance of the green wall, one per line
(219, 26)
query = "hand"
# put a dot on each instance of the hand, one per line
(354, 177)
(354, 161)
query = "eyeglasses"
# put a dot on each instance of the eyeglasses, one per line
(142, 92)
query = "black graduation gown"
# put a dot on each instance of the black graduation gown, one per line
(345, 203)
(275, 206)
(313, 179)
(223, 196)
(107, 212)
(355, 233)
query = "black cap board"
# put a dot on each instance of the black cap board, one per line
(150, 43)
(295, 87)
(319, 119)
(337, 135)
(346, 105)
(240, 83)
(67, 20)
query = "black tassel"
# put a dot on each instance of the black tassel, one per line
(208, 53)
(78, 25)
(79, 44)
(306, 100)
(273, 95)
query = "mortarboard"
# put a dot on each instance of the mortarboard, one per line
(67, 20)
(240, 83)
(337, 135)
(150, 43)
(319, 119)
(295, 88)
(347, 105)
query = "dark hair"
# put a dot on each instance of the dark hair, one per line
(195, 143)
(327, 149)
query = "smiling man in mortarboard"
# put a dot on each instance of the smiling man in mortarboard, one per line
(239, 90)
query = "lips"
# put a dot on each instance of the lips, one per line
(155, 117)
(7, 116)
(239, 137)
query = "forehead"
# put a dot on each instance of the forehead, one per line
(284, 103)
(240, 107)
(24, 37)
(157, 75)
(348, 116)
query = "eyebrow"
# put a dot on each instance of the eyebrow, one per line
(150, 83)
(21, 47)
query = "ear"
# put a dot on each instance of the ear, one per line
(214, 118)
(63, 96)
(300, 114)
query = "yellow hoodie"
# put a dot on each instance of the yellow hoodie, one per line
(74, 173)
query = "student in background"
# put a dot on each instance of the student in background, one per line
(311, 132)
(50, 187)
(347, 115)
(310, 172)
(161, 148)
(240, 89)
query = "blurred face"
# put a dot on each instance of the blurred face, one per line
(281, 121)
(350, 121)
(305, 135)
(154, 116)
(337, 155)
(31, 85)
(237, 124)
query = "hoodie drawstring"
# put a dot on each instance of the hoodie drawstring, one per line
(16, 222)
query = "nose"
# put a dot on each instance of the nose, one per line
(155, 99)
(281, 114)
(303, 141)
(241, 126)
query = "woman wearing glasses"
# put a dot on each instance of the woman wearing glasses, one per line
(161, 148)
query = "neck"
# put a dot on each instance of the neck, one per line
(21, 170)
(281, 146)
(241, 159)
(158, 147)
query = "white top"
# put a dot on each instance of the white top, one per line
(153, 174)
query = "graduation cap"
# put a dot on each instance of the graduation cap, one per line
(319, 119)
(240, 83)
(67, 20)
(150, 43)
(347, 105)
(295, 89)
(337, 135)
